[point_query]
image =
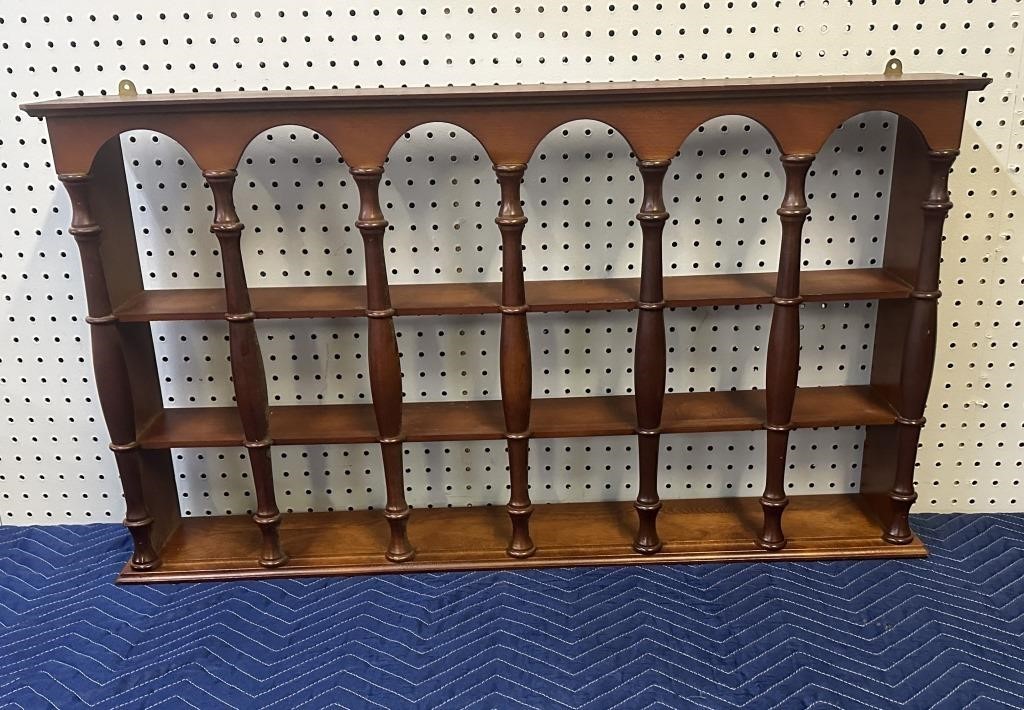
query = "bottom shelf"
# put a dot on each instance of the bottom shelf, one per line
(695, 530)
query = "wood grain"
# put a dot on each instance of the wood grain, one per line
(910, 184)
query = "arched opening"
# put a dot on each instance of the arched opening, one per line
(171, 209)
(172, 212)
(848, 189)
(848, 193)
(581, 193)
(722, 192)
(441, 230)
(296, 198)
(439, 195)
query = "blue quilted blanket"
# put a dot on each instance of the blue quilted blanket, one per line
(943, 632)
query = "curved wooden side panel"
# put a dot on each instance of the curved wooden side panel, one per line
(919, 349)
(905, 331)
(111, 370)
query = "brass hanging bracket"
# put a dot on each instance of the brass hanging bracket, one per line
(126, 88)
(893, 69)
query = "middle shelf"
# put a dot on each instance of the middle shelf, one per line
(477, 298)
(727, 410)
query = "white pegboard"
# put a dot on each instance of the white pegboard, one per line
(581, 192)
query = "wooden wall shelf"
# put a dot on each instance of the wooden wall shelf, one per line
(655, 118)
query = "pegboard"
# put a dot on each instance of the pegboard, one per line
(581, 194)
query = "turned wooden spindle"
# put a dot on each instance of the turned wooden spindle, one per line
(649, 364)
(111, 371)
(783, 360)
(385, 367)
(250, 381)
(516, 367)
(919, 351)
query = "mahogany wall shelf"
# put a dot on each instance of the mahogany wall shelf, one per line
(655, 118)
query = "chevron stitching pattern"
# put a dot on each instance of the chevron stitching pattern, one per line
(946, 632)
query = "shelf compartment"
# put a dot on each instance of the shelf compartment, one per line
(728, 410)
(695, 530)
(478, 298)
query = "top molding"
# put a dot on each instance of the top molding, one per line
(535, 94)
(509, 122)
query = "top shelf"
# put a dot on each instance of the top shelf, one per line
(416, 97)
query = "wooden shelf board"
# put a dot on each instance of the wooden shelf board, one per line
(694, 530)
(740, 410)
(477, 298)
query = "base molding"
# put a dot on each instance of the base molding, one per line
(818, 527)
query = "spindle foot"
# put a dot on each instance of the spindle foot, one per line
(898, 537)
(399, 547)
(521, 550)
(771, 545)
(271, 555)
(521, 544)
(772, 538)
(646, 546)
(144, 557)
(898, 530)
(400, 551)
(272, 562)
(647, 541)
(145, 561)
